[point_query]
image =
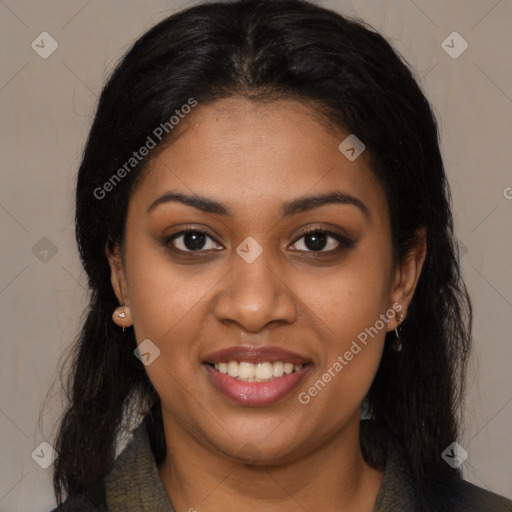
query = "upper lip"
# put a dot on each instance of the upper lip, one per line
(255, 355)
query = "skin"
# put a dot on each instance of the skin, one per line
(222, 455)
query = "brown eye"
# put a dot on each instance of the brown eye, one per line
(317, 240)
(191, 241)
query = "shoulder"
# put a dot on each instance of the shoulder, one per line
(459, 495)
(92, 501)
(133, 482)
(435, 491)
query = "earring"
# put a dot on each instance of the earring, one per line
(397, 344)
(122, 316)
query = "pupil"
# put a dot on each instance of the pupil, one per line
(318, 241)
(194, 241)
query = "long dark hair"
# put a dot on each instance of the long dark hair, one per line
(270, 49)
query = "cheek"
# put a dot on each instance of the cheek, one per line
(353, 336)
(161, 296)
(350, 298)
(347, 307)
(169, 308)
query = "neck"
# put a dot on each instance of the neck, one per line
(332, 477)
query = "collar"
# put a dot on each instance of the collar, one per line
(134, 482)
(397, 490)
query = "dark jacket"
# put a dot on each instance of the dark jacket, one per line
(135, 485)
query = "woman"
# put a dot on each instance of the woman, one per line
(277, 311)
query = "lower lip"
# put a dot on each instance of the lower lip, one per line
(255, 393)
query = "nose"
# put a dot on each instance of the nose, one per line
(255, 294)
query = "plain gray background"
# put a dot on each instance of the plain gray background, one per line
(47, 107)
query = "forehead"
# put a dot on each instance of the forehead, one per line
(250, 153)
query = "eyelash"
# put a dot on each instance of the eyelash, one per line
(344, 242)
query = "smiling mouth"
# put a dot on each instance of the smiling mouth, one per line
(256, 372)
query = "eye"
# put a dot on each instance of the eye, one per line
(316, 240)
(191, 240)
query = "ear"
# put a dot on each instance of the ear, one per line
(408, 272)
(117, 273)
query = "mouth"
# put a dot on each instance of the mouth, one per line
(255, 376)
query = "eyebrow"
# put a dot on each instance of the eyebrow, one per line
(293, 207)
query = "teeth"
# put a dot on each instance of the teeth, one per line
(260, 372)
(233, 369)
(246, 371)
(278, 369)
(264, 371)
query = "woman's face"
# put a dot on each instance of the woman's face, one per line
(248, 285)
